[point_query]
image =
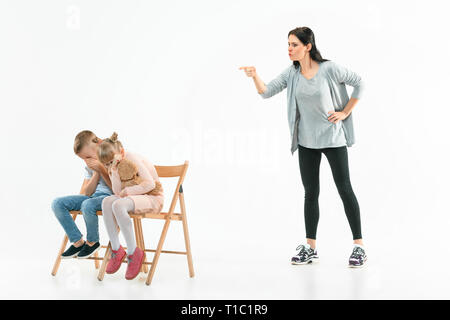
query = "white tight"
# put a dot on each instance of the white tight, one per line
(115, 213)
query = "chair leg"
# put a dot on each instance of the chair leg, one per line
(61, 250)
(158, 252)
(137, 234)
(141, 235)
(105, 260)
(58, 258)
(186, 236)
(96, 262)
(101, 272)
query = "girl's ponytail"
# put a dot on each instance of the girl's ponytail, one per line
(108, 148)
(113, 137)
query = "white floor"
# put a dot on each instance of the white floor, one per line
(263, 275)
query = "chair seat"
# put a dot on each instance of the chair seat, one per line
(160, 215)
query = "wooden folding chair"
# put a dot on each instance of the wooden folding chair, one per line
(163, 172)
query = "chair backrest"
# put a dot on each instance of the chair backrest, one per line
(173, 171)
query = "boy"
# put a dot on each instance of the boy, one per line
(96, 186)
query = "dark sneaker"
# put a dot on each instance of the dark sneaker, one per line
(305, 255)
(88, 251)
(358, 257)
(72, 252)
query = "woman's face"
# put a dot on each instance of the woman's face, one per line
(296, 49)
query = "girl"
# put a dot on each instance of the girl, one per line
(116, 207)
(320, 121)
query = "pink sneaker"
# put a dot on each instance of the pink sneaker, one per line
(116, 260)
(134, 263)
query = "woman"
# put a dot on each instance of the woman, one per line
(320, 121)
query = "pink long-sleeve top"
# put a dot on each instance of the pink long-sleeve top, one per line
(146, 171)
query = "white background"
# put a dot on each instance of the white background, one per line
(164, 75)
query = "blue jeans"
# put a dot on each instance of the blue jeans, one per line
(88, 205)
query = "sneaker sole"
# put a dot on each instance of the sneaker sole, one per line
(85, 257)
(360, 266)
(69, 257)
(306, 262)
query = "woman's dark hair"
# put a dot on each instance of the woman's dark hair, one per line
(305, 35)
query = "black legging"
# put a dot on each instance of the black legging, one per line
(309, 161)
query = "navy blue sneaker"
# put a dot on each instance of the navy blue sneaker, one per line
(305, 255)
(358, 257)
(72, 252)
(88, 250)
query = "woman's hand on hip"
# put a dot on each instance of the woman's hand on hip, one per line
(336, 116)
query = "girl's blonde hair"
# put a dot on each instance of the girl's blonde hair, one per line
(108, 148)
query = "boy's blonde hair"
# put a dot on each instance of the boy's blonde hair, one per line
(82, 139)
(108, 148)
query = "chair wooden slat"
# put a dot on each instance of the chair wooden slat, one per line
(161, 215)
(171, 171)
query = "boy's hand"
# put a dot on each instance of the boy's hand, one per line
(93, 164)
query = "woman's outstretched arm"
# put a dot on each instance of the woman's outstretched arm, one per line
(251, 72)
(273, 87)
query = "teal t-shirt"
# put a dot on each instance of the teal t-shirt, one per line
(101, 186)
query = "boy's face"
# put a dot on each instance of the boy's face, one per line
(89, 151)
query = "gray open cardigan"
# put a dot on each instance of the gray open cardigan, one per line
(337, 76)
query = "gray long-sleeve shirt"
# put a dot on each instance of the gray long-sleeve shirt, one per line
(326, 92)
